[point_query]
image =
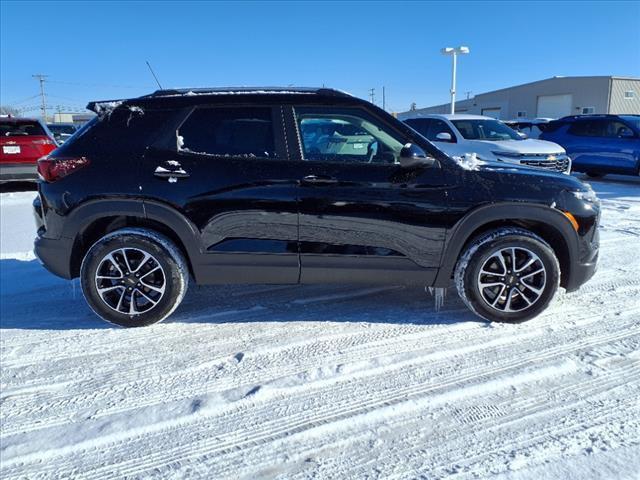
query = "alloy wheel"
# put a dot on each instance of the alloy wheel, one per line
(512, 279)
(130, 281)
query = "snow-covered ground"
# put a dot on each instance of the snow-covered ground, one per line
(322, 381)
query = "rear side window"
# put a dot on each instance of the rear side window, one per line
(229, 132)
(589, 128)
(21, 129)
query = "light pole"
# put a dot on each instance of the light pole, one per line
(454, 52)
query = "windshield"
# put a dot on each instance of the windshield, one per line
(485, 130)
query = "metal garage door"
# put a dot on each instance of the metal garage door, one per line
(554, 106)
(491, 112)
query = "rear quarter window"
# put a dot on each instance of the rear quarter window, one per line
(550, 127)
(123, 131)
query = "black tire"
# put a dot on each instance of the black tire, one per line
(162, 277)
(484, 253)
(595, 175)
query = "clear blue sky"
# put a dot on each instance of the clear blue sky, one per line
(93, 50)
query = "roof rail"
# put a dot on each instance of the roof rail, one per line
(329, 92)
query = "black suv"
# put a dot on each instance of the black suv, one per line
(297, 186)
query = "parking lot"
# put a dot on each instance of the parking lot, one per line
(302, 381)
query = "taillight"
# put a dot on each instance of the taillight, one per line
(53, 169)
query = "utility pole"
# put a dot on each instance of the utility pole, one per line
(43, 107)
(372, 95)
(468, 94)
(384, 99)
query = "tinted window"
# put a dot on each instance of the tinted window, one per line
(347, 136)
(485, 130)
(420, 125)
(21, 129)
(123, 131)
(229, 131)
(551, 126)
(589, 128)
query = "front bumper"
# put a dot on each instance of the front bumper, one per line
(15, 172)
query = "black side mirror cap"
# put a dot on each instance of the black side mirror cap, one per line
(412, 156)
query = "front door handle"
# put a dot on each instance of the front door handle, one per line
(319, 180)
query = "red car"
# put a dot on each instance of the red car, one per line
(22, 142)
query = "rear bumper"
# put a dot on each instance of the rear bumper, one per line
(55, 255)
(12, 172)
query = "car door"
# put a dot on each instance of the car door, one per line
(226, 169)
(364, 218)
(595, 144)
(619, 147)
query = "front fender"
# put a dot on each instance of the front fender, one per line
(465, 229)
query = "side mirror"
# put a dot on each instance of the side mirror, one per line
(625, 133)
(523, 135)
(413, 156)
(444, 137)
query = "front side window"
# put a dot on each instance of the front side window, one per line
(492, 130)
(346, 136)
(617, 129)
(437, 127)
(228, 132)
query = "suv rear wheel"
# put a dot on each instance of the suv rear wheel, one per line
(134, 277)
(507, 275)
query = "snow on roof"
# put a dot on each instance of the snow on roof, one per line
(179, 92)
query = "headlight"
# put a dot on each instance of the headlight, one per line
(586, 195)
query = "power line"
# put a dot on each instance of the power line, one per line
(99, 84)
(16, 102)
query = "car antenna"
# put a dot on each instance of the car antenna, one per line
(154, 74)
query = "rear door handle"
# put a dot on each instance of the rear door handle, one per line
(319, 180)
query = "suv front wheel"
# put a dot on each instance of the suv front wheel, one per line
(134, 277)
(507, 275)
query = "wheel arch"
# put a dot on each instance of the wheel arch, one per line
(548, 223)
(90, 222)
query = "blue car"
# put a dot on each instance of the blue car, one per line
(599, 144)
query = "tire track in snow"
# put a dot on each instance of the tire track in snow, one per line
(401, 394)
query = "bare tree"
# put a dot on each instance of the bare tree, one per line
(7, 110)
